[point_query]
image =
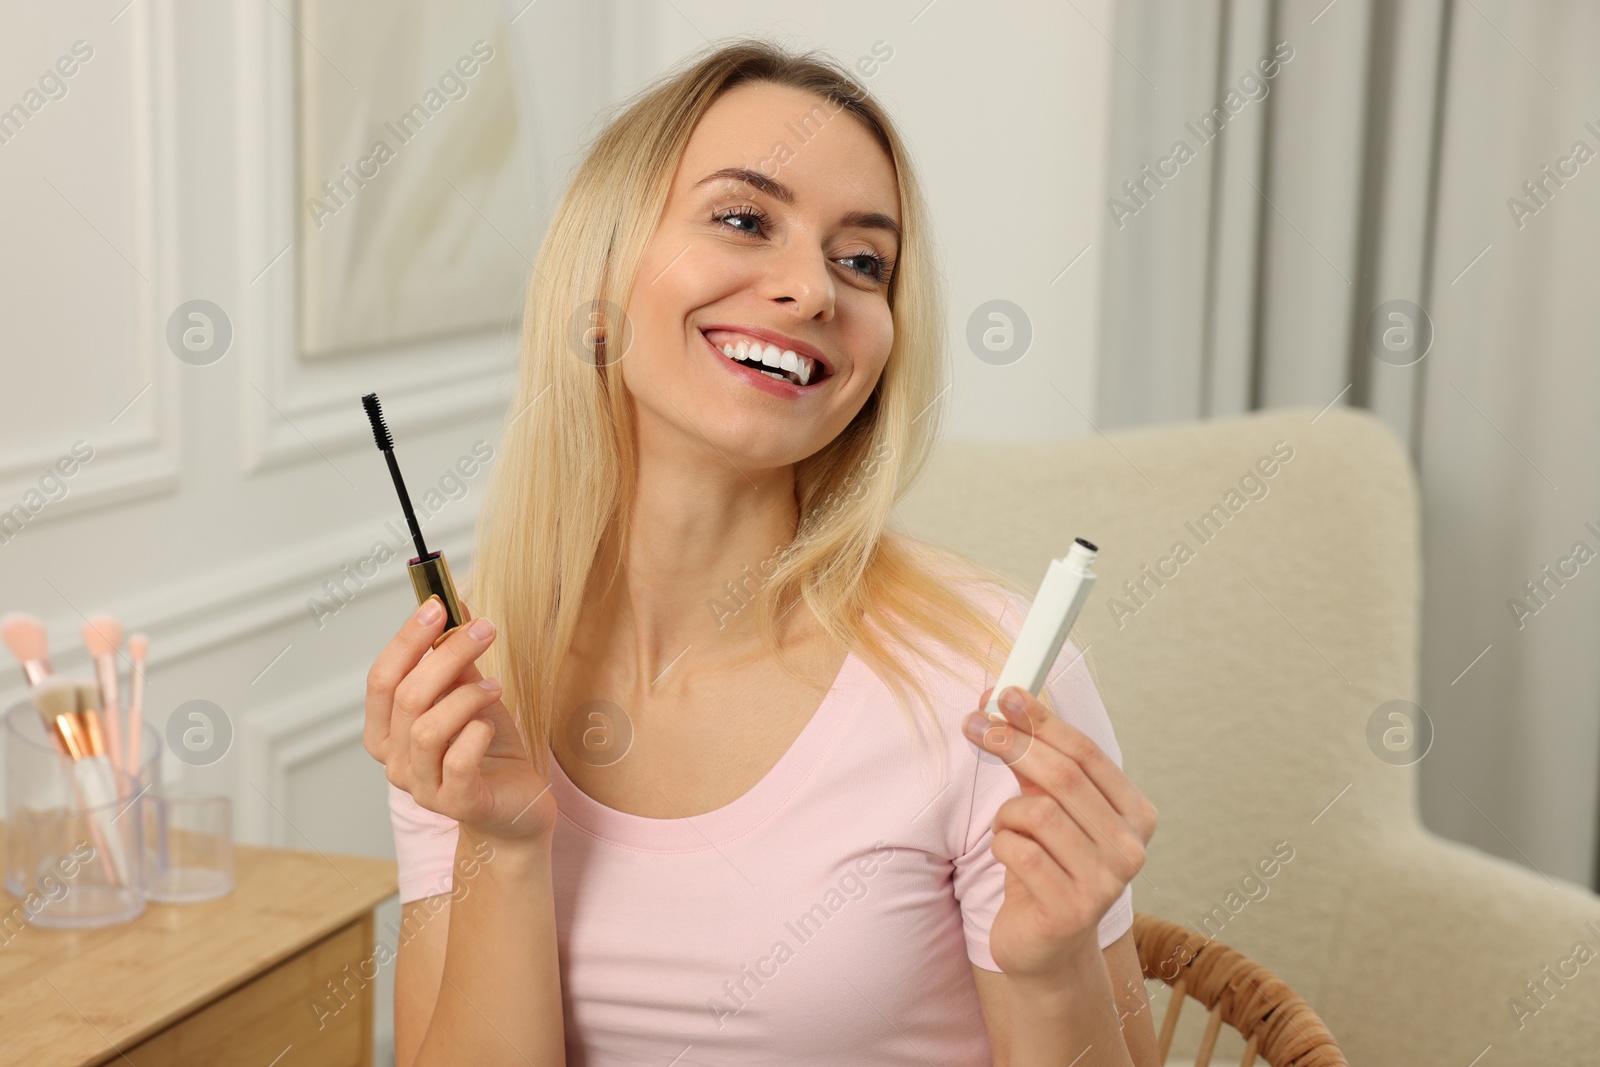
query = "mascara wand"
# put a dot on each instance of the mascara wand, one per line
(430, 574)
(380, 433)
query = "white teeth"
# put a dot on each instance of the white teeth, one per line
(800, 368)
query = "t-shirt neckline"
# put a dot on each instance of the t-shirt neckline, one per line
(739, 816)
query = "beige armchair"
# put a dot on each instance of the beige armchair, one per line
(1244, 673)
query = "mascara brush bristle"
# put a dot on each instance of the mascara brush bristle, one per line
(380, 429)
(380, 434)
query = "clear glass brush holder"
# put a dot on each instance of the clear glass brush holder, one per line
(74, 828)
(188, 846)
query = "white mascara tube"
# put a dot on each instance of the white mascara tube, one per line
(1061, 595)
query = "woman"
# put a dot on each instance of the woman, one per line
(720, 843)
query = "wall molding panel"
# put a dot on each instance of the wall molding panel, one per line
(232, 606)
(276, 739)
(293, 409)
(137, 455)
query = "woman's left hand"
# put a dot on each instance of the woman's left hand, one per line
(1070, 842)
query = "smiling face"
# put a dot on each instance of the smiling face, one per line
(766, 240)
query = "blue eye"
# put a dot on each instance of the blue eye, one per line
(754, 214)
(878, 267)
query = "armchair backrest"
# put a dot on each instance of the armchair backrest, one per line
(1258, 605)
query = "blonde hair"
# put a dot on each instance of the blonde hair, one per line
(564, 479)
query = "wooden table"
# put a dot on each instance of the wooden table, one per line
(280, 967)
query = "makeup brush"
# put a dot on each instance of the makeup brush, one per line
(102, 636)
(430, 574)
(97, 777)
(139, 651)
(24, 635)
(57, 701)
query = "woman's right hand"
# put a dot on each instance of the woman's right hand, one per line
(442, 734)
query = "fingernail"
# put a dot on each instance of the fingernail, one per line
(1012, 700)
(974, 725)
(430, 612)
(481, 629)
(491, 684)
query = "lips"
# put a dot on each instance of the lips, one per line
(758, 375)
(772, 355)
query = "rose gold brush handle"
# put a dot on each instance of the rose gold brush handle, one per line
(68, 730)
(105, 669)
(135, 700)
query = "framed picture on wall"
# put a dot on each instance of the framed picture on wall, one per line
(416, 193)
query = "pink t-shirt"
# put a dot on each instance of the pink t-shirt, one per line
(827, 916)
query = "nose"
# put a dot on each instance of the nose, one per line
(799, 279)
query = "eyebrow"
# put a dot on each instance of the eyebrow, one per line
(872, 220)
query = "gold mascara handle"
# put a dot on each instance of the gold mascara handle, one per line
(430, 576)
